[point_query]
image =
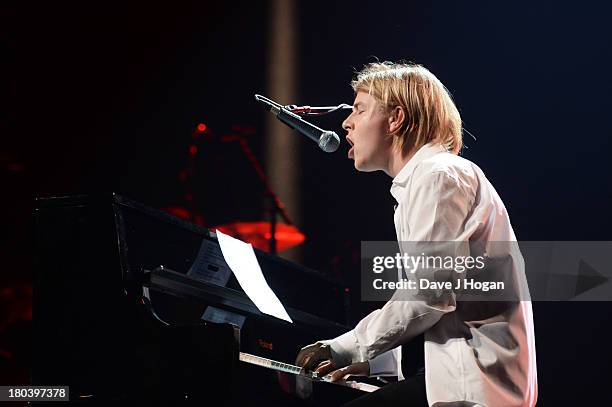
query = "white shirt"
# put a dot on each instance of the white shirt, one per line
(484, 362)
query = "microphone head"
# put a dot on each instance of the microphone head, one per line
(329, 141)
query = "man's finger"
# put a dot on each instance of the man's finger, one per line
(311, 361)
(305, 361)
(356, 369)
(299, 361)
(311, 355)
(325, 367)
(339, 374)
(323, 364)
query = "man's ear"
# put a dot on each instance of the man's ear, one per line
(396, 118)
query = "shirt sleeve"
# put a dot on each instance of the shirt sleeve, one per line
(385, 364)
(435, 211)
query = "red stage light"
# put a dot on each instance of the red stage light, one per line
(201, 127)
(258, 234)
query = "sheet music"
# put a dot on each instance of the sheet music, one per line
(209, 266)
(242, 261)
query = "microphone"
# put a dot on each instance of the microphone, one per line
(328, 141)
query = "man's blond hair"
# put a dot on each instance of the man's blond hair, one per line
(431, 114)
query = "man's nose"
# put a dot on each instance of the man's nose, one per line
(346, 125)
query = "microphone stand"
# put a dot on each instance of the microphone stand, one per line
(277, 206)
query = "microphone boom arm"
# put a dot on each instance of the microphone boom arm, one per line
(328, 141)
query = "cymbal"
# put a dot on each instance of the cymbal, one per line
(259, 234)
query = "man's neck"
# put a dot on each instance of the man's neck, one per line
(397, 160)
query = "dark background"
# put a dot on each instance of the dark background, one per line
(101, 97)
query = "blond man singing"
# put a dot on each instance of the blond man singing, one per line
(405, 123)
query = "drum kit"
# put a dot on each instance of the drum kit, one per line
(267, 235)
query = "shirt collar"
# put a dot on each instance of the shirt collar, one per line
(402, 177)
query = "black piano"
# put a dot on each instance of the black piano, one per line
(134, 305)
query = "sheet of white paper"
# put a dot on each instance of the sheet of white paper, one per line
(240, 257)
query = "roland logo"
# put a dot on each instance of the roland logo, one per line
(265, 344)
